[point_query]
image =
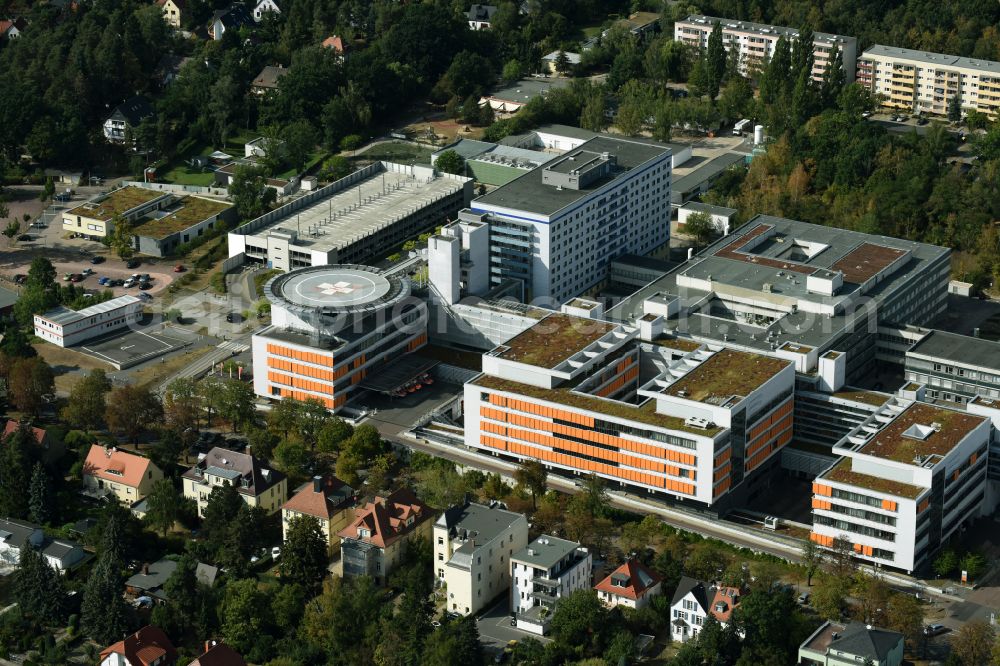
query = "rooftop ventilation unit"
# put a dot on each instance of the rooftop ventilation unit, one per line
(697, 422)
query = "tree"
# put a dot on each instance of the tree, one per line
(30, 380)
(531, 474)
(834, 78)
(736, 100)
(904, 614)
(303, 556)
(244, 614)
(365, 443)
(592, 115)
(164, 506)
(700, 81)
(237, 403)
(223, 504)
(38, 496)
(955, 108)
(700, 226)
(182, 403)
(284, 416)
(841, 558)
(310, 419)
(973, 643)
(292, 458)
(579, 621)
(132, 410)
(262, 442)
(86, 405)
(455, 642)
(334, 433)
(13, 227)
(512, 71)
(763, 616)
(249, 192)
(299, 141)
(563, 65)
(122, 237)
(715, 56)
(41, 274)
(973, 564)
(946, 563)
(812, 557)
(595, 493)
(450, 162)
(104, 615)
(38, 588)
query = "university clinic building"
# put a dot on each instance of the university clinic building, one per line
(634, 407)
(331, 327)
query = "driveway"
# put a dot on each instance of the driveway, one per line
(495, 631)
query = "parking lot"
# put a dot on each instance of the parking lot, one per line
(128, 348)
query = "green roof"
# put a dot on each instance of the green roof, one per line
(554, 339)
(117, 202)
(186, 213)
(726, 373)
(842, 473)
(644, 413)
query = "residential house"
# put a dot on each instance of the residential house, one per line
(233, 17)
(218, 654)
(110, 472)
(256, 483)
(18, 534)
(63, 554)
(473, 546)
(51, 449)
(12, 29)
(480, 16)
(264, 7)
(374, 543)
(542, 574)
(835, 644)
(147, 647)
(338, 45)
(550, 62)
(633, 584)
(692, 602)
(267, 80)
(171, 11)
(327, 499)
(150, 579)
(640, 24)
(126, 117)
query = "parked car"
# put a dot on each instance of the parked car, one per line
(116, 283)
(129, 283)
(20, 278)
(276, 552)
(76, 277)
(103, 280)
(934, 629)
(97, 259)
(234, 317)
(145, 297)
(145, 285)
(87, 272)
(132, 263)
(804, 598)
(922, 121)
(144, 277)
(67, 276)
(179, 268)
(24, 237)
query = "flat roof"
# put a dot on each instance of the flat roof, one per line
(63, 315)
(184, 214)
(708, 208)
(529, 193)
(866, 261)
(703, 172)
(466, 148)
(360, 209)
(842, 473)
(546, 551)
(642, 413)
(866, 397)
(761, 28)
(527, 89)
(554, 339)
(927, 57)
(946, 428)
(117, 202)
(337, 288)
(959, 349)
(724, 374)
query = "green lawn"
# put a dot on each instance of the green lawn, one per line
(397, 151)
(591, 31)
(182, 174)
(314, 159)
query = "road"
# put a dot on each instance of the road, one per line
(225, 351)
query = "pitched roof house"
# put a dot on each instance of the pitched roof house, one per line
(171, 11)
(257, 483)
(632, 584)
(147, 647)
(233, 17)
(126, 115)
(218, 654)
(150, 579)
(267, 79)
(110, 472)
(327, 499)
(480, 16)
(834, 644)
(265, 7)
(374, 542)
(52, 448)
(337, 44)
(693, 601)
(13, 28)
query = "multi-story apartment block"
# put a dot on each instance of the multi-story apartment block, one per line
(375, 542)
(542, 574)
(694, 601)
(755, 43)
(954, 368)
(256, 483)
(331, 326)
(910, 476)
(473, 546)
(556, 228)
(328, 500)
(924, 82)
(670, 416)
(808, 293)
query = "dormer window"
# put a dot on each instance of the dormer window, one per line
(409, 521)
(363, 533)
(720, 607)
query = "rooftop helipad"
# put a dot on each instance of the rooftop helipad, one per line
(336, 289)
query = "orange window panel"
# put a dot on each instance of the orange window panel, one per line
(926, 502)
(821, 504)
(973, 458)
(888, 505)
(820, 489)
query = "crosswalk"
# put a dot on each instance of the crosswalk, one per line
(233, 346)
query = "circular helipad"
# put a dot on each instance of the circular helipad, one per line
(337, 288)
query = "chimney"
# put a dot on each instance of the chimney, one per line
(317, 484)
(209, 644)
(145, 569)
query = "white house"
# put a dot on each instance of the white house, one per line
(65, 328)
(722, 217)
(836, 644)
(473, 546)
(542, 574)
(263, 7)
(15, 535)
(693, 601)
(480, 16)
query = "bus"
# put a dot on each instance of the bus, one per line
(739, 127)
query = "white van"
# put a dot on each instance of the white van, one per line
(739, 127)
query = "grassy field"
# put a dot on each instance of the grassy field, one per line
(397, 151)
(182, 174)
(314, 159)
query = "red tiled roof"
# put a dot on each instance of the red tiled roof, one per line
(729, 597)
(385, 518)
(114, 465)
(13, 425)
(334, 42)
(640, 580)
(219, 654)
(144, 647)
(333, 497)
